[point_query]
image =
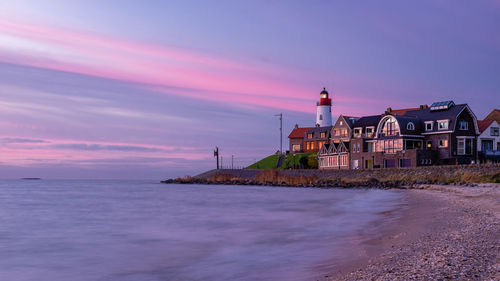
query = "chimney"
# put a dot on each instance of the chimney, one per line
(296, 126)
(389, 110)
(317, 125)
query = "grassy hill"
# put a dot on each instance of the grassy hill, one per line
(287, 163)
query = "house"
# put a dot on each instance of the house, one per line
(315, 138)
(488, 142)
(363, 142)
(296, 139)
(444, 133)
(334, 156)
(342, 129)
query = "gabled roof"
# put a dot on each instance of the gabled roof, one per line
(349, 120)
(494, 115)
(298, 133)
(325, 149)
(483, 125)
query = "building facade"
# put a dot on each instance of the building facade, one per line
(488, 142)
(444, 133)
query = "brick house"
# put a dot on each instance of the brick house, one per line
(296, 139)
(443, 133)
(315, 138)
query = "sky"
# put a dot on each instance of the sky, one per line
(124, 89)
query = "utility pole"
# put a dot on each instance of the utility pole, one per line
(216, 154)
(281, 131)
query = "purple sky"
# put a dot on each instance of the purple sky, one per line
(147, 89)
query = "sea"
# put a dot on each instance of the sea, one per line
(146, 231)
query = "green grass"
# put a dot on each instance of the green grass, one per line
(270, 161)
(267, 163)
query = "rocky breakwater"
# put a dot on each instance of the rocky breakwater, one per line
(382, 178)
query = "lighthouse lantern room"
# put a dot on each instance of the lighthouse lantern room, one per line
(324, 110)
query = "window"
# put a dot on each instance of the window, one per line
(464, 146)
(389, 127)
(428, 125)
(410, 126)
(429, 144)
(390, 146)
(336, 132)
(369, 131)
(494, 131)
(312, 145)
(296, 147)
(341, 123)
(357, 132)
(323, 135)
(442, 124)
(344, 132)
(309, 136)
(463, 125)
(308, 145)
(371, 147)
(321, 117)
(443, 143)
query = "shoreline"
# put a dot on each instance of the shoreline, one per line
(378, 178)
(447, 232)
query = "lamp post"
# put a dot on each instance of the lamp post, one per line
(216, 154)
(281, 131)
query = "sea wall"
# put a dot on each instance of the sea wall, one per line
(401, 177)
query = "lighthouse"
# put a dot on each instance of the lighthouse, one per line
(324, 110)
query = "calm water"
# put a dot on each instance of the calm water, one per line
(133, 230)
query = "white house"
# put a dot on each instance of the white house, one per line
(488, 142)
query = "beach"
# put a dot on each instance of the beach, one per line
(447, 233)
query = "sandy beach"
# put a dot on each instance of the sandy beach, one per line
(447, 233)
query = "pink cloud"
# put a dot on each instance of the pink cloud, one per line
(158, 67)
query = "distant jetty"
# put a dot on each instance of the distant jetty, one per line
(31, 178)
(381, 178)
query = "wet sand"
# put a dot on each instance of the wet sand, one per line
(447, 232)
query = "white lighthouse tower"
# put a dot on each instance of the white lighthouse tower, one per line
(324, 110)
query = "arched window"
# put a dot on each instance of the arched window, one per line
(410, 126)
(389, 127)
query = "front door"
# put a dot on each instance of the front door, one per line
(369, 164)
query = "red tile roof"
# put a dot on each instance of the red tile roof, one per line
(483, 124)
(494, 115)
(298, 133)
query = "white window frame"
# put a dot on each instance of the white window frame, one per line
(461, 142)
(410, 126)
(446, 121)
(432, 125)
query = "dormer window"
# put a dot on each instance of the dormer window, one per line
(463, 125)
(428, 125)
(309, 136)
(323, 135)
(357, 132)
(410, 126)
(442, 124)
(369, 131)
